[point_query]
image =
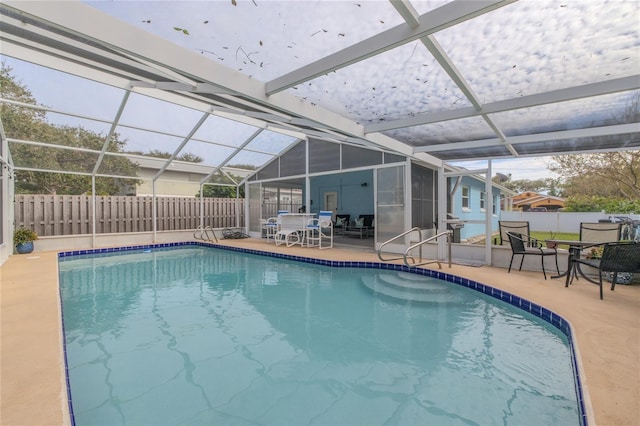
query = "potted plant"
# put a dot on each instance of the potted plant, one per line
(595, 252)
(23, 239)
(551, 244)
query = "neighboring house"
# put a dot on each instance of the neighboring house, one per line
(180, 179)
(533, 201)
(470, 203)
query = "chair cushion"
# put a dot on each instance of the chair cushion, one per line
(340, 221)
(368, 220)
(360, 222)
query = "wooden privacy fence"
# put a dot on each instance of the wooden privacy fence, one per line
(51, 215)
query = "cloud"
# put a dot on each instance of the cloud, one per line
(530, 168)
(517, 50)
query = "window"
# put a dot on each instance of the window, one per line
(494, 208)
(465, 197)
(482, 200)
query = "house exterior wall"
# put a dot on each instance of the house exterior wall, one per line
(171, 183)
(474, 211)
(353, 198)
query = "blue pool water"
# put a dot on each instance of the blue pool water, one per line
(196, 335)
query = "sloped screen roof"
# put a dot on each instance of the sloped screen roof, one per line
(238, 82)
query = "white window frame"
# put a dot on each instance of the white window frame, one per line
(466, 199)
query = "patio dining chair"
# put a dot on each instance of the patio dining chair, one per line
(273, 225)
(523, 246)
(623, 256)
(320, 229)
(601, 232)
(517, 226)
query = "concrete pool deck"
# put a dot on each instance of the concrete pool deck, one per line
(33, 388)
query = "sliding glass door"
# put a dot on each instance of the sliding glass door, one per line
(390, 206)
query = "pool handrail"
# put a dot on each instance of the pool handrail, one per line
(204, 233)
(415, 229)
(448, 233)
(410, 260)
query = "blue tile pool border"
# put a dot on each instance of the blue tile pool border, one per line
(539, 311)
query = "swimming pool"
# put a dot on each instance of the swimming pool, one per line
(198, 335)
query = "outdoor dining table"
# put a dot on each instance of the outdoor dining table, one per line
(575, 249)
(294, 223)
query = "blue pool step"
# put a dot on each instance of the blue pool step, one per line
(405, 286)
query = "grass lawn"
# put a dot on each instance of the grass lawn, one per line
(541, 236)
(545, 235)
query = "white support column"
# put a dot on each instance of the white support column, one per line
(307, 180)
(247, 209)
(154, 209)
(201, 205)
(442, 210)
(93, 213)
(408, 216)
(6, 203)
(488, 190)
(237, 209)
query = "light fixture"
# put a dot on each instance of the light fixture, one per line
(363, 184)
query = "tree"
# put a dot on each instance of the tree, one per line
(550, 185)
(215, 191)
(187, 156)
(615, 175)
(28, 124)
(608, 205)
(218, 191)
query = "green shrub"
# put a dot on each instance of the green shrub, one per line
(598, 204)
(24, 235)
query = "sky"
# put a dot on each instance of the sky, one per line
(47, 88)
(524, 48)
(521, 49)
(530, 168)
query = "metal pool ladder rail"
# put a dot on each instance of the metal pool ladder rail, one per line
(205, 233)
(410, 260)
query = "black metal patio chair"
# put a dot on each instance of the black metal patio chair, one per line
(623, 256)
(516, 226)
(524, 246)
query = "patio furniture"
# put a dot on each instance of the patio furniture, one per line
(292, 228)
(320, 229)
(289, 237)
(600, 232)
(361, 226)
(273, 224)
(523, 246)
(517, 226)
(575, 248)
(341, 223)
(623, 256)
